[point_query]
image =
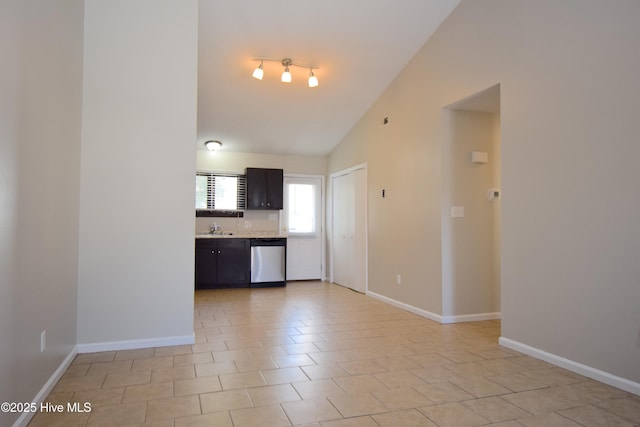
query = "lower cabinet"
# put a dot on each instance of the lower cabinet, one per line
(222, 263)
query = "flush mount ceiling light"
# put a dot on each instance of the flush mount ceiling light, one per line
(258, 73)
(213, 145)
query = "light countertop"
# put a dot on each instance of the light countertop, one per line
(242, 235)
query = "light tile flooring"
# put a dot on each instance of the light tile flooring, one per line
(318, 354)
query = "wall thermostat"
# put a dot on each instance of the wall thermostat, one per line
(493, 194)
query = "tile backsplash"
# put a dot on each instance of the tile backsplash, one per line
(253, 221)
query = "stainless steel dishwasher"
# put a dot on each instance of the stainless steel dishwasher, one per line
(268, 262)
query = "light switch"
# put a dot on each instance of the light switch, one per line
(457, 211)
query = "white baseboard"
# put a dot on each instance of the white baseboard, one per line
(578, 368)
(433, 316)
(24, 419)
(133, 344)
(471, 317)
(407, 307)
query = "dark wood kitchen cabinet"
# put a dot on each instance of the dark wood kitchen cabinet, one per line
(222, 263)
(264, 188)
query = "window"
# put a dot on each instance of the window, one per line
(302, 209)
(215, 191)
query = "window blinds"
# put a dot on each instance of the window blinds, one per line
(218, 185)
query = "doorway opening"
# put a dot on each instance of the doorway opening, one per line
(471, 213)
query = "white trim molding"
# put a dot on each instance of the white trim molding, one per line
(471, 317)
(133, 344)
(433, 316)
(420, 312)
(578, 368)
(24, 419)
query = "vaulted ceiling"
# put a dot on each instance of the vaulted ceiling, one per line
(359, 46)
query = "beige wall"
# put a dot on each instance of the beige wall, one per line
(40, 114)
(224, 161)
(138, 167)
(470, 246)
(570, 236)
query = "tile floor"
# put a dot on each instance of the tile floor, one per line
(317, 354)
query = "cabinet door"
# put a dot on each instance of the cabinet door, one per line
(274, 186)
(256, 188)
(206, 271)
(264, 188)
(234, 261)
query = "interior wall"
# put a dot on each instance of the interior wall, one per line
(138, 168)
(224, 161)
(470, 254)
(569, 196)
(40, 119)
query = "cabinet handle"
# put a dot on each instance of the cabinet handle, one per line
(218, 251)
(213, 252)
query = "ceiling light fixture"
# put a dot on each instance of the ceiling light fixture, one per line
(213, 145)
(258, 73)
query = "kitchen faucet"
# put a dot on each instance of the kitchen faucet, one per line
(215, 227)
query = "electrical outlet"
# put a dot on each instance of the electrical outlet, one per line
(43, 341)
(398, 278)
(247, 224)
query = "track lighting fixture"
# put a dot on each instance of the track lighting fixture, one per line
(258, 73)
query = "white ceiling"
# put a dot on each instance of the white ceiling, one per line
(358, 45)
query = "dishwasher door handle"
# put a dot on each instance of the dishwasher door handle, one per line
(268, 241)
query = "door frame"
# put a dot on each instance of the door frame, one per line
(341, 172)
(322, 222)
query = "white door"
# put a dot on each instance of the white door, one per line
(342, 235)
(359, 230)
(348, 218)
(303, 218)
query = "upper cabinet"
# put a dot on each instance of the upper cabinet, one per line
(264, 188)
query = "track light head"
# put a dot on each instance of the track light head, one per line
(286, 75)
(258, 73)
(313, 80)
